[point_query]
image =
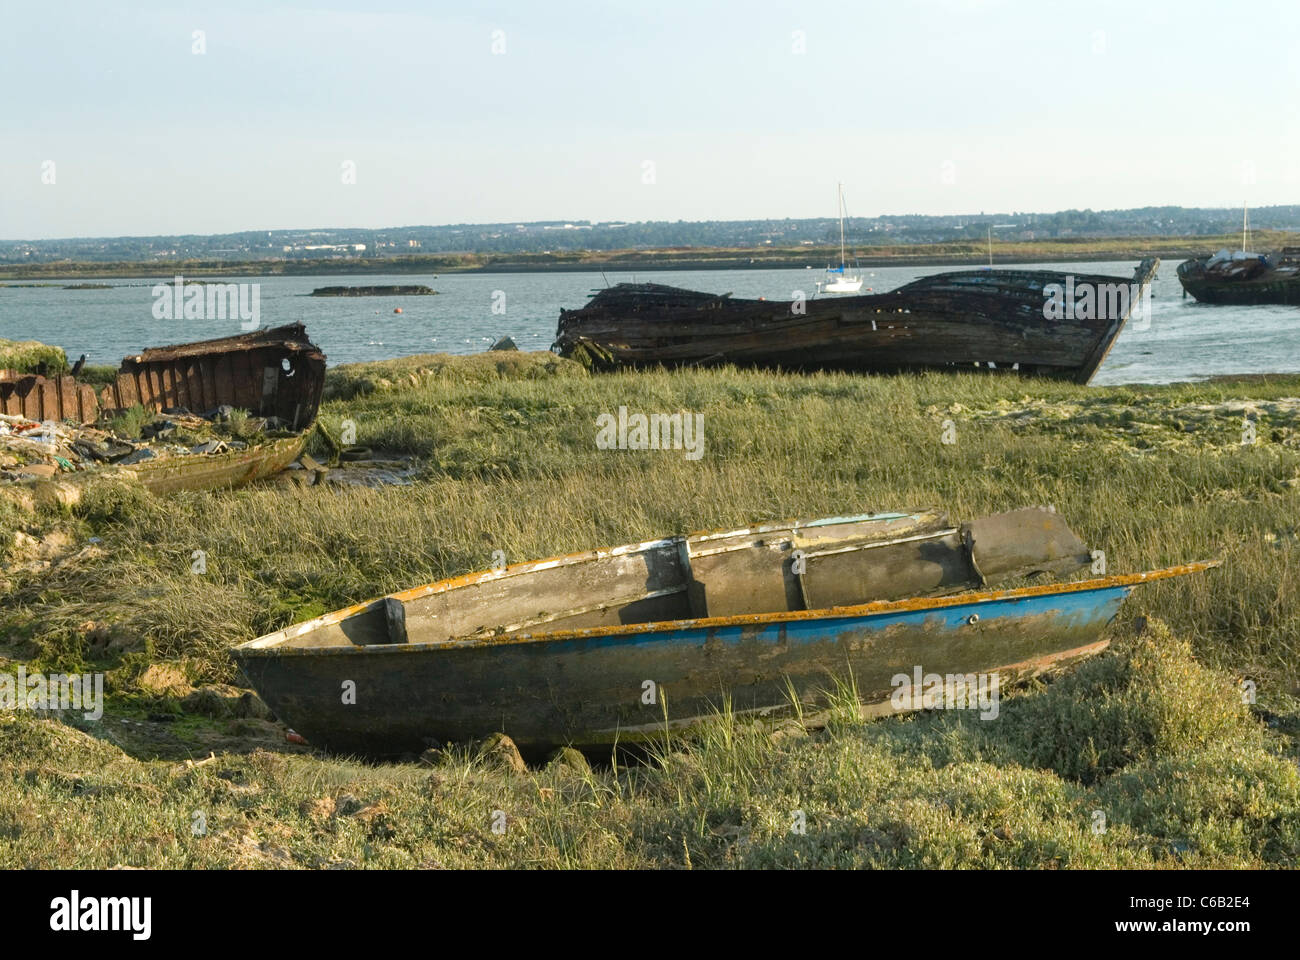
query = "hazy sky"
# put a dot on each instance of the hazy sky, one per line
(919, 107)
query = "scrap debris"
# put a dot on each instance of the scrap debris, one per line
(31, 449)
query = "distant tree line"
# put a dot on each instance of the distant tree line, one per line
(565, 236)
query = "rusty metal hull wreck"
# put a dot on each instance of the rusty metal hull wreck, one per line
(616, 646)
(951, 321)
(272, 372)
(275, 372)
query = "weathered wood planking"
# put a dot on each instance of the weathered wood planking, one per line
(952, 320)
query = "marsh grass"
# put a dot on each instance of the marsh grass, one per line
(510, 463)
(27, 356)
(937, 789)
(130, 422)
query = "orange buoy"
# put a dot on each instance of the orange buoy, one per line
(397, 309)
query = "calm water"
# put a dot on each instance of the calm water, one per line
(1184, 341)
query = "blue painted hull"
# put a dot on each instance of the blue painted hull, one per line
(594, 688)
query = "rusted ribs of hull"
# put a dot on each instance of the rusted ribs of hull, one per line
(274, 372)
(949, 321)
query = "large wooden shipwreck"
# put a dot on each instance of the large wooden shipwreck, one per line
(974, 319)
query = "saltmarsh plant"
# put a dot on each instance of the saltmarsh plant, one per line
(935, 789)
(130, 422)
(513, 465)
(1158, 741)
(27, 356)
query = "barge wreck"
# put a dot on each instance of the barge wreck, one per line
(59, 428)
(1037, 322)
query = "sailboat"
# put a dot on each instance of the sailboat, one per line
(1242, 277)
(837, 281)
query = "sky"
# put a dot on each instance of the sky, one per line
(121, 120)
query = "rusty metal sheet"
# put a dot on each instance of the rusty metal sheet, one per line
(246, 371)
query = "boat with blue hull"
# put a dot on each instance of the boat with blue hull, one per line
(616, 646)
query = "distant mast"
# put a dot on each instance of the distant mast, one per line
(838, 280)
(839, 198)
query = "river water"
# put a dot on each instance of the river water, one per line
(1185, 340)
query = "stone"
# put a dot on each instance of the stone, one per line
(137, 456)
(567, 758)
(91, 450)
(251, 705)
(94, 632)
(57, 494)
(43, 470)
(499, 752)
(158, 430)
(345, 805)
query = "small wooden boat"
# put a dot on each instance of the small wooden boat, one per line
(212, 471)
(974, 319)
(1243, 279)
(617, 645)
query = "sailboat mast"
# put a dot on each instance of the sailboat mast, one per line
(840, 188)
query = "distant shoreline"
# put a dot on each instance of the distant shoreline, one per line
(645, 261)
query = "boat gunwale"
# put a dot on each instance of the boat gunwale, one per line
(567, 559)
(270, 645)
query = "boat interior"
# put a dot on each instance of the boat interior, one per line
(767, 568)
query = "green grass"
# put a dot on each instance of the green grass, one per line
(1154, 734)
(26, 356)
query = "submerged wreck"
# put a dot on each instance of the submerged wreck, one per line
(770, 617)
(57, 426)
(1243, 279)
(987, 319)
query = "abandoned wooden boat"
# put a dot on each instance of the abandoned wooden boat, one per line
(975, 319)
(272, 373)
(1243, 279)
(616, 645)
